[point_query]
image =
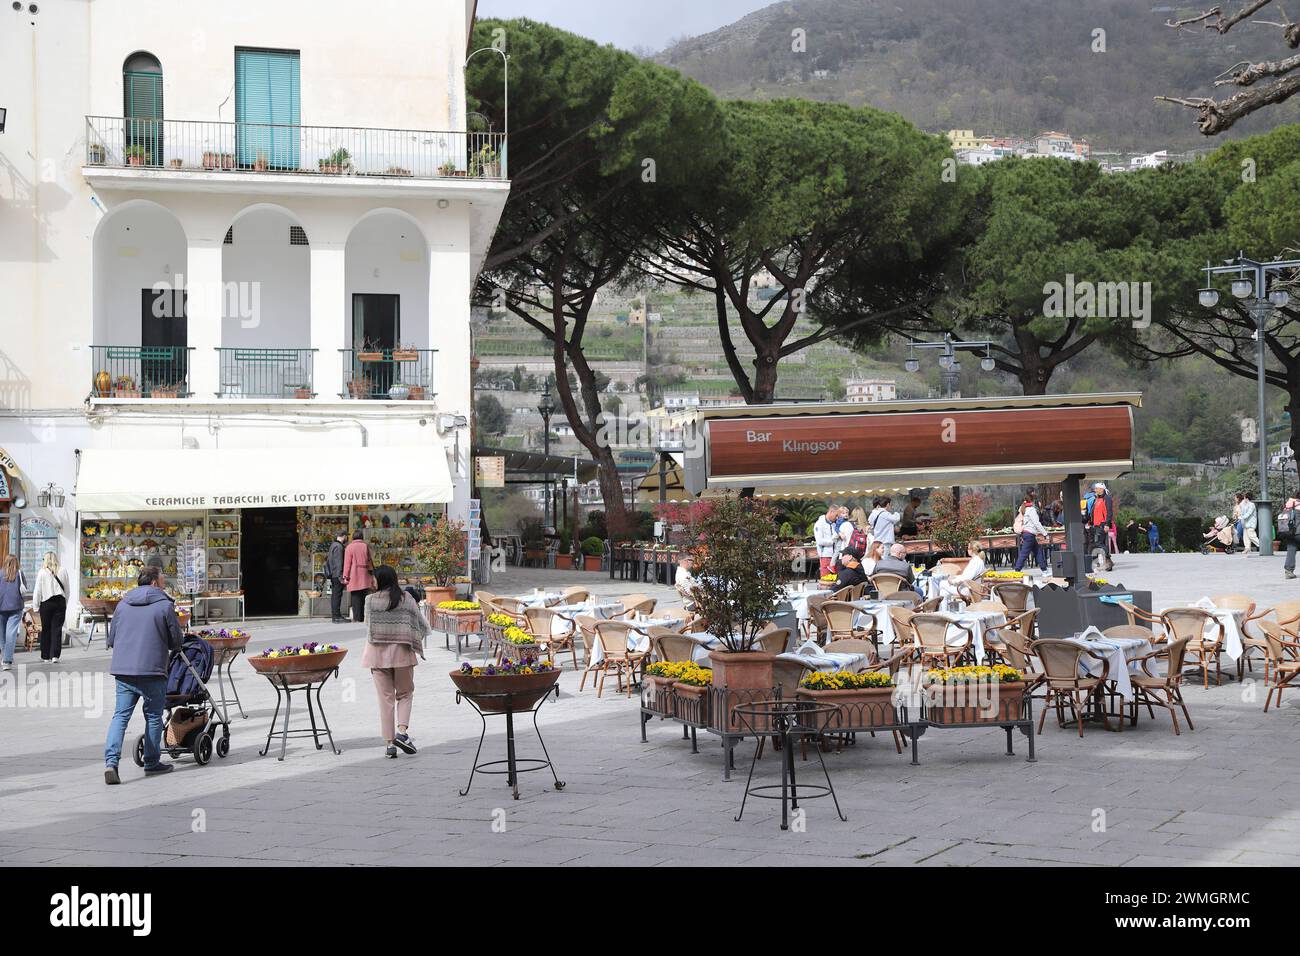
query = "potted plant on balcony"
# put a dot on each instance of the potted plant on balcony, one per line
(397, 171)
(176, 162)
(370, 351)
(302, 391)
(741, 580)
(124, 387)
(360, 387)
(447, 169)
(405, 353)
(593, 549)
(165, 391)
(260, 163)
(439, 551)
(137, 155)
(336, 162)
(487, 164)
(227, 161)
(417, 393)
(95, 154)
(103, 383)
(211, 159)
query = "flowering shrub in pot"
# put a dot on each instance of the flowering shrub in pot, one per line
(865, 700)
(526, 679)
(973, 694)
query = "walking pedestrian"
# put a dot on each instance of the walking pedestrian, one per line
(334, 570)
(825, 538)
(1033, 536)
(1249, 523)
(50, 599)
(395, 633)
(12, 585)
(1153, 536)
(142, 634)
(1288, 530)
(357, 576)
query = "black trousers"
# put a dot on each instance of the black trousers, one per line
(358, 605)
(336, 599)
(53, 611)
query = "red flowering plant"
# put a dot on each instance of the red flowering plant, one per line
(682, 521)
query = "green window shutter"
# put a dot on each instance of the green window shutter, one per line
(142, 108)
(267, 102)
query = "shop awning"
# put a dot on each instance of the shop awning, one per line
(118, 479)
(524, 465)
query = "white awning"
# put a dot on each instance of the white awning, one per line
(119, 479)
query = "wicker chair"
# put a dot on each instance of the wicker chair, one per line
(586, 625)
(932, 632)
(667, 646)
(482, 596)
(1024, 624)
(851, 645)
(887, 583)
(637, 604)
(1137, 617)
(1061, 667)
(541, 625)
(773, 642)
(1014, 595)
(839, 617)
(574, 595)
(900, 618)
(928, 607)
(816, 619)
(618, 656)
(1162, 690)
(787, 672)
(910, 597)
(1283, 661)
(1191, 623)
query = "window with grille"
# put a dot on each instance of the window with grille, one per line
(230, 237)
(297, 236)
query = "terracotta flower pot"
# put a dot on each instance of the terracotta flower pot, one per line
(527, 689)
(986, 703)
(658, 695)
(859, 706)
(742, 677)
(690, 703)
(301, 668)
(457, 622)
(225, 649)
(591, 562)
(515, 652)
(436, 595)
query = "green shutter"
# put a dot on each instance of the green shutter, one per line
(267, 107)
(142, 108)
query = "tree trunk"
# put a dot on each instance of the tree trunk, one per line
(766, 366)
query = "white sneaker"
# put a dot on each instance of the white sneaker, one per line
(6, 667)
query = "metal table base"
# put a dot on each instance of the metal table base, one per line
(514, 764)
(285, 691)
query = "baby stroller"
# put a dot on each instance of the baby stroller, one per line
(191, 719)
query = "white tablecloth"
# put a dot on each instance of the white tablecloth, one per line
(538, 598)
(1118, 651)
(811, 653)
(978, 622)
(1231, 619)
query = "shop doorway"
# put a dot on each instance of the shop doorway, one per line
(269, 562)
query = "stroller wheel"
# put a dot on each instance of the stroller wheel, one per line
(137, 753)
(202, 749)
(223, 746)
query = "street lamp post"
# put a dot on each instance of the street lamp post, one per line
(948, 359)
(1251, 282)
(547, 408)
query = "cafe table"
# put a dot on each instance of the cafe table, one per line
(978, 622)
(1232, 620)
(539, 598)
(1115, 655)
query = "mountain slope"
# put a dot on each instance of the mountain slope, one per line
(996, 66)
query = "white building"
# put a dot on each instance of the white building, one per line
(859, 391)
(237, 244)
(1150, 160)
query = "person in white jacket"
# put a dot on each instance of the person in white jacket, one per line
(1031, 531)
(1249, 524)
(885, 523)
(50, 600)
(825, 538)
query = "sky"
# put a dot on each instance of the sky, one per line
(639, 23)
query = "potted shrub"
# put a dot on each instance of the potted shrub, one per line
(593, 549)
(336, 162)
(741, 577)
(260, 163)
(137, 155)
(447, 169)
(564, 558)
(299, 665)
(969, 695)
(227, 161)
(417, 393)
(95, 154)
(865, 700)
(486, 164)
(176, 162)
(211, 159)
(517, 644)
(528, 679)
(124, 387)
(359, 387)
(439, 551)
(457, 617)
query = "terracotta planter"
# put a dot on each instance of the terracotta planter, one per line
(302, 393)
(103, 383)
(135, 160)
(859, 707)
(690, 703)
(517, 652)
(534, 554)
(175, 164)
(436, 595)
(211, 160)
(370, 356)
(417, 393)
(301, 668)
(405, 355)
(591, 562)
(658, 694)
(527, 689)
(227, 160)
(125, 392)
(457, 622)
(564, 562)
(742, 677)
(359, 388)
(226, 649)
(973, 703)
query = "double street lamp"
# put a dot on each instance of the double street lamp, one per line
(948, 358)
(1250, 284)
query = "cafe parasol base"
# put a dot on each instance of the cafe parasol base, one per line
(788, 720)
(513, 765)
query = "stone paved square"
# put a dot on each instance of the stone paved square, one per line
(1223, 794)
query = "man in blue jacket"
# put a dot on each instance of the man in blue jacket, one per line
(143, 633)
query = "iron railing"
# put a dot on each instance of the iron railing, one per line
(265, 373)
(388, 373)
(211, 146)
(140, 371)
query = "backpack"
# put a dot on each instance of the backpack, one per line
(857, 542)
(1287, 525)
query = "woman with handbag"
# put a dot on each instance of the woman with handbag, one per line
(357, 578)
(395, 633)
(50, 599)
(12, 585)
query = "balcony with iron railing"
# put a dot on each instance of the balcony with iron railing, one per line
(140, 371)
(265, 373)
(394, 374)
(203, 146)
